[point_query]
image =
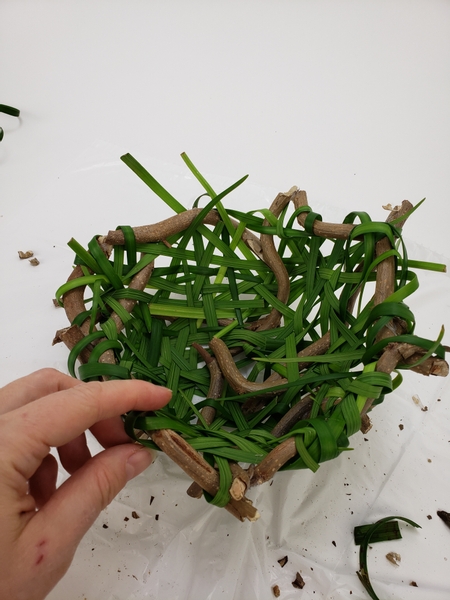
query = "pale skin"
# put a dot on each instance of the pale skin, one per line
(41, 525)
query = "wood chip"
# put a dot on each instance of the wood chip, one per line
(27, 254)
(34, 262)
(283, 561)
(276, 591)
(135, 515)
(394, 558)
(298, 582)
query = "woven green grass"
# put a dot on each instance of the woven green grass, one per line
(209, 274)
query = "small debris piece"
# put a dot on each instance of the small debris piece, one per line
(298, 582)
(135, 515)
(34, 262)
(401, 426)
(424, 408)
(366, 424)
(389, 207)
(445, 516)
(334, 543)
(156, 517)
(429, 517)
(418, 402)
(394, 558)
(283, 561)
(105, 526)
(413, 584)
(276, 591)
(126, 519)
(151, 499)
(27, 254)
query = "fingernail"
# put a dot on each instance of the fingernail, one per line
(139, 461)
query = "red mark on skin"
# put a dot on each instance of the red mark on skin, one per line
(40, 557)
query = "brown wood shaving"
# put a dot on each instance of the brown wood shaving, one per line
(276, 591)
(34, 262)
(283, 561)
(394, 558)
(27, 254)
(298, 582)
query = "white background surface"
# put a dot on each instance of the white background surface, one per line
(348, 100)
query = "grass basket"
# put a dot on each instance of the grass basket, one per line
(276, 331)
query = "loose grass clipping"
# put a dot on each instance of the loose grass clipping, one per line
(277, 332)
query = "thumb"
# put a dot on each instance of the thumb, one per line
(74, 507)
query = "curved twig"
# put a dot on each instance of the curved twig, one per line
(274, 461)
(298, 412)
(338, 231)
(208, 412)
(232, 374)
(194, 465)
(274, 261)
(158, 232)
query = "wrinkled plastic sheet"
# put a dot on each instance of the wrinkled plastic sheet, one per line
(155, 542)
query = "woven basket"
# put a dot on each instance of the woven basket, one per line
(277, 333)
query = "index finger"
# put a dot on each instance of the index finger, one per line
(60, 417)
(31, 387)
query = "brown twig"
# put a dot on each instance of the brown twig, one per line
(158, 232)
(70, 336)
(194, 465)
(316, 348)
(274, 261)
(273, 462)
(298, 412)
(336, 231)
(208, 412)
(232, 374)
(384, 287)
(385, 278)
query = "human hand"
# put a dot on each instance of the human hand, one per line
(41, 525)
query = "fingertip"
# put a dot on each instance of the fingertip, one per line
(166, 395)
(140, 460)
(159, 394)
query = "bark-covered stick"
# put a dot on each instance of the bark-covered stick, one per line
(194, 465)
